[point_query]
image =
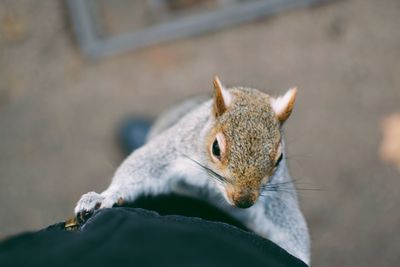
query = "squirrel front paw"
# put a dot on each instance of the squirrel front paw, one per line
(93, 201)
(88, 203)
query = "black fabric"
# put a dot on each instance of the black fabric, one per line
(173, 204)
(139, 237)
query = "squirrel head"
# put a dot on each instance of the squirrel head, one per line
(244, 143)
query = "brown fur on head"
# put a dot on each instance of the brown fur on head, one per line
(245, 141)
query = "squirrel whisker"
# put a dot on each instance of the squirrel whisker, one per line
(213, 174)
(280, 187)
(280, 183)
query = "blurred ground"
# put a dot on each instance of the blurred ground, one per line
(59, 113)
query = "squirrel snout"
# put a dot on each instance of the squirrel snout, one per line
(243, 202)
(242, 199)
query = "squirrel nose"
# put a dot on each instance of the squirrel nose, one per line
(244, 200)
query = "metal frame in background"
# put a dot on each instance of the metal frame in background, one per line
(87, 24)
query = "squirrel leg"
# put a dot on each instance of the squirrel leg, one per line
(144, 172)
(122, 189)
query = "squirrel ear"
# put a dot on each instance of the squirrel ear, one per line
(283, 105)
(222, 98)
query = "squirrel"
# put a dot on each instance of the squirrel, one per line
(229, 151)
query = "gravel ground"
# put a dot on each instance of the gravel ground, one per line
(59, 113)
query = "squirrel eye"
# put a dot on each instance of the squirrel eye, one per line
(216, 150)
(279, 160)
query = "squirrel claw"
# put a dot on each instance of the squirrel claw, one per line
(83, 216)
